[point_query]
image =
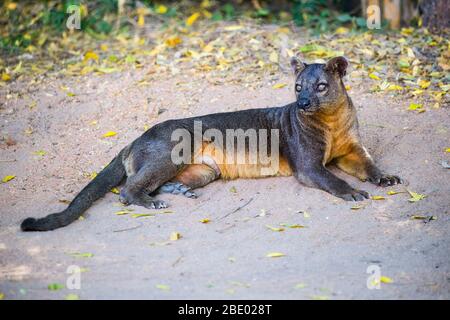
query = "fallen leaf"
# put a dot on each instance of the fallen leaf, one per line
(122, 212)
(141, 215)
(7, 178)
(206, 220)
(163, 287)
(384, 279)
(292, 226)
(90, 55)
(191, 20)
(279, 85)
(72, 296)
(274, 228)
(109, 134)
(55, 286)
(275, 255)
(175, 236)
(82, 255)
(115, 190)
(419, 217)
(40, 153)
(374, 76)
(415, 196)
(416, 107)
(6, 77)
(378, 198)
(173, 42)
(161, 9)
(393, 192)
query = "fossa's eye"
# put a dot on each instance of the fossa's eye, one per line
(298, 87)
(322, 87)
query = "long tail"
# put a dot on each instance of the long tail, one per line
(108, 178)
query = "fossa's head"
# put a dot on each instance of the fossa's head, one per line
(319, 86)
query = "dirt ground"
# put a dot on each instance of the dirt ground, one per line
(133, 258)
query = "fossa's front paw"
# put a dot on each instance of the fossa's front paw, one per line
(386, 180)
(354, 195)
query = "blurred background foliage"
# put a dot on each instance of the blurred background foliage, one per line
(27, 24)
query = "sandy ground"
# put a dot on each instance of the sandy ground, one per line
(226, 258)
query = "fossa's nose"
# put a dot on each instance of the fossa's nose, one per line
(304, 103)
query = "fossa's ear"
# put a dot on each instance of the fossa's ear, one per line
(337, 64)
(296, 65)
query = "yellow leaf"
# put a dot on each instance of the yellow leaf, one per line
(378, 198)
(415, 106)
(141, 20)
(173, 42)
(40, 153)
(206, 220)
(393, 192)
(7, 178)
(347, 87)
(424, 84)
(374, 76)
(415, 196)
(6, 77)
(2, 296)
(12, 6)
(447, 150)
(142, 215)
(292, 226)
(90, 55)
(161, 9)
(109, 134)
(283, 30)
(190, 21)
(394, 87)
(384, 279)
(104, 47)
(175, 236)
(122, 212)
(341, 30)
(279, 85)
(357, 207)
(163, 287)
(275, 255)
(115, 190)
(275, 229)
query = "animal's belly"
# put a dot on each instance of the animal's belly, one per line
(244, 164)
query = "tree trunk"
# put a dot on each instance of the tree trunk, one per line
(435, 15)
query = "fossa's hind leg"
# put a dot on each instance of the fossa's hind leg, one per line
(157, 169)
(193, 176)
